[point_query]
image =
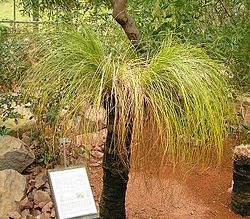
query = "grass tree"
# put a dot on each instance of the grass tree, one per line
(171, 106)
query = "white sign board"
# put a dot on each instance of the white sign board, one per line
(72, 193)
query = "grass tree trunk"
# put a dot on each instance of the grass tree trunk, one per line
(241, 189)
(115, 172)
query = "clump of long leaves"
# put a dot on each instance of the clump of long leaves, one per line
(177, 101)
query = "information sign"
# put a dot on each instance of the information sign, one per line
(72, 194)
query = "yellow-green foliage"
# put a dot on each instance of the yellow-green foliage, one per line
(178, 100)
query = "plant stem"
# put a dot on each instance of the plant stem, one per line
(115, 172)
(127, 22)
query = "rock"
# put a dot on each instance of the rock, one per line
(46, 208)
(95, 164)
(50, 204)
(99, 148)
(12, 190)
(40, 179)
(243, 108)
(14, 215)
(13, 154)
(25, 123)
(33, 192)
(97, 154)
(41, 196)
(34, 212)
(41, 204)
(25, 213)
(26, 138)
(46, 185)
(53, 213)
(44, 215)
(26, 204)
(36, 170)
(32, 183)
(79, 161)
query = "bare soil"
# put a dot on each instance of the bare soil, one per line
(201, 194)
(204, 194)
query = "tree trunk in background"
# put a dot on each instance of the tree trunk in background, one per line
(115, 173)
(127, 23)
(240, 203)
(35, 14)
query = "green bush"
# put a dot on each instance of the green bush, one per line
(222, 27)
(12, 64)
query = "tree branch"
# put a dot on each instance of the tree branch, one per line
(127, 23)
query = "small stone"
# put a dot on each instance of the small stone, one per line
(14, 215)
(25, 204)
(53, 213)
(46, 185)
(97, 154)
(29, 190)
(99, 148)
(34, 192)
(50, 204)
(41, 204)
(46, 208)
(94, 164)
(191, 213)
(26, 138)
(36, 207)
(25, 213)
(32, 182)
(30, 195)
(35, 171)
(79, 161)
(34, 212)
(40, 180)
(45, 215)
(41, 196)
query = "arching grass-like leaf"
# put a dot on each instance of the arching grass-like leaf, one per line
(178, 100)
